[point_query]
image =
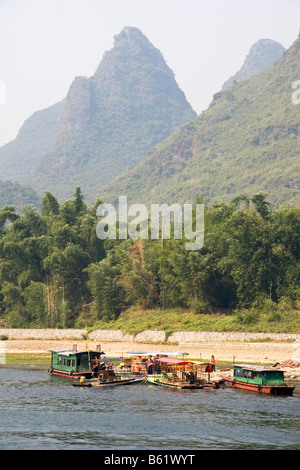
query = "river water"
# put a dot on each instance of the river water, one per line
(40, 411)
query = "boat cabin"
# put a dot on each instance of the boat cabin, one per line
(258, 375)
(139, 360)
(182, 374)
(183, 368)
(73, 363)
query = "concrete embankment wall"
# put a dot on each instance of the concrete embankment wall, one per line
(158, 337)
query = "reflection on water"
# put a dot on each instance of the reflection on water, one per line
(39, 411)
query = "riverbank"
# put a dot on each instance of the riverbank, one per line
(229, 351)
(285, 354)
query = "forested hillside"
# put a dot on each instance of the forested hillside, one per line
(247, 141)
(109, 122)
(17, 195)
(54, 271)
(262, 55)
(240, 158)
(35, 139)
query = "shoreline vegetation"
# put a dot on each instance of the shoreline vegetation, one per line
(56, 273)
(281, 318)
(270, 319)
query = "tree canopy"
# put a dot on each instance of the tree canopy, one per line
(56, 272)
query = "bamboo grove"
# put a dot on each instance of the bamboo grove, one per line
(55, 272)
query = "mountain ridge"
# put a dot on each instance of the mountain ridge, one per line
(70, 127)
(262, 54)
(113, 118)
(245, 142)
(35, 139)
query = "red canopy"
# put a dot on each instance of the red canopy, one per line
(169, 360)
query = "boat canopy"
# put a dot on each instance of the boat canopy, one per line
(177, 362)
(157, 353)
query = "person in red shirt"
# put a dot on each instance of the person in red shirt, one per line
(213, 364)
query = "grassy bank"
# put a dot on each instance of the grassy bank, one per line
(134, 321)
(28, 359)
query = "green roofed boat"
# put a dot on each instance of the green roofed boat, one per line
(73, 364)
(259, 379)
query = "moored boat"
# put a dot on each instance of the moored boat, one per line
(259, 379)
(141, 362)
(107, 377)
(72, 364)
(181, 374)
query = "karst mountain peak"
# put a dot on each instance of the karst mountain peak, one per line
(107, 122)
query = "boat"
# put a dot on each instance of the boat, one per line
(182, 374)
(259, 379)
(72, 364)
(107, 377)
(139, 361)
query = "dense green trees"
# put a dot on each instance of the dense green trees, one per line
(54, 271)
(43, 258)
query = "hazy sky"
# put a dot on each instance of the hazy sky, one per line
(44, 44)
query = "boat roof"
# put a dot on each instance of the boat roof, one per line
(155, 353)
(177, 362)
(256, 368)
(69, 352)
(201, 363)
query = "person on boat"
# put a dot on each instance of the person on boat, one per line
(157, 364)
(213, 364)
(192, 378)
(95, 368)
(150, 366)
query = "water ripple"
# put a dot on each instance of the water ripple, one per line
(39, 411)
